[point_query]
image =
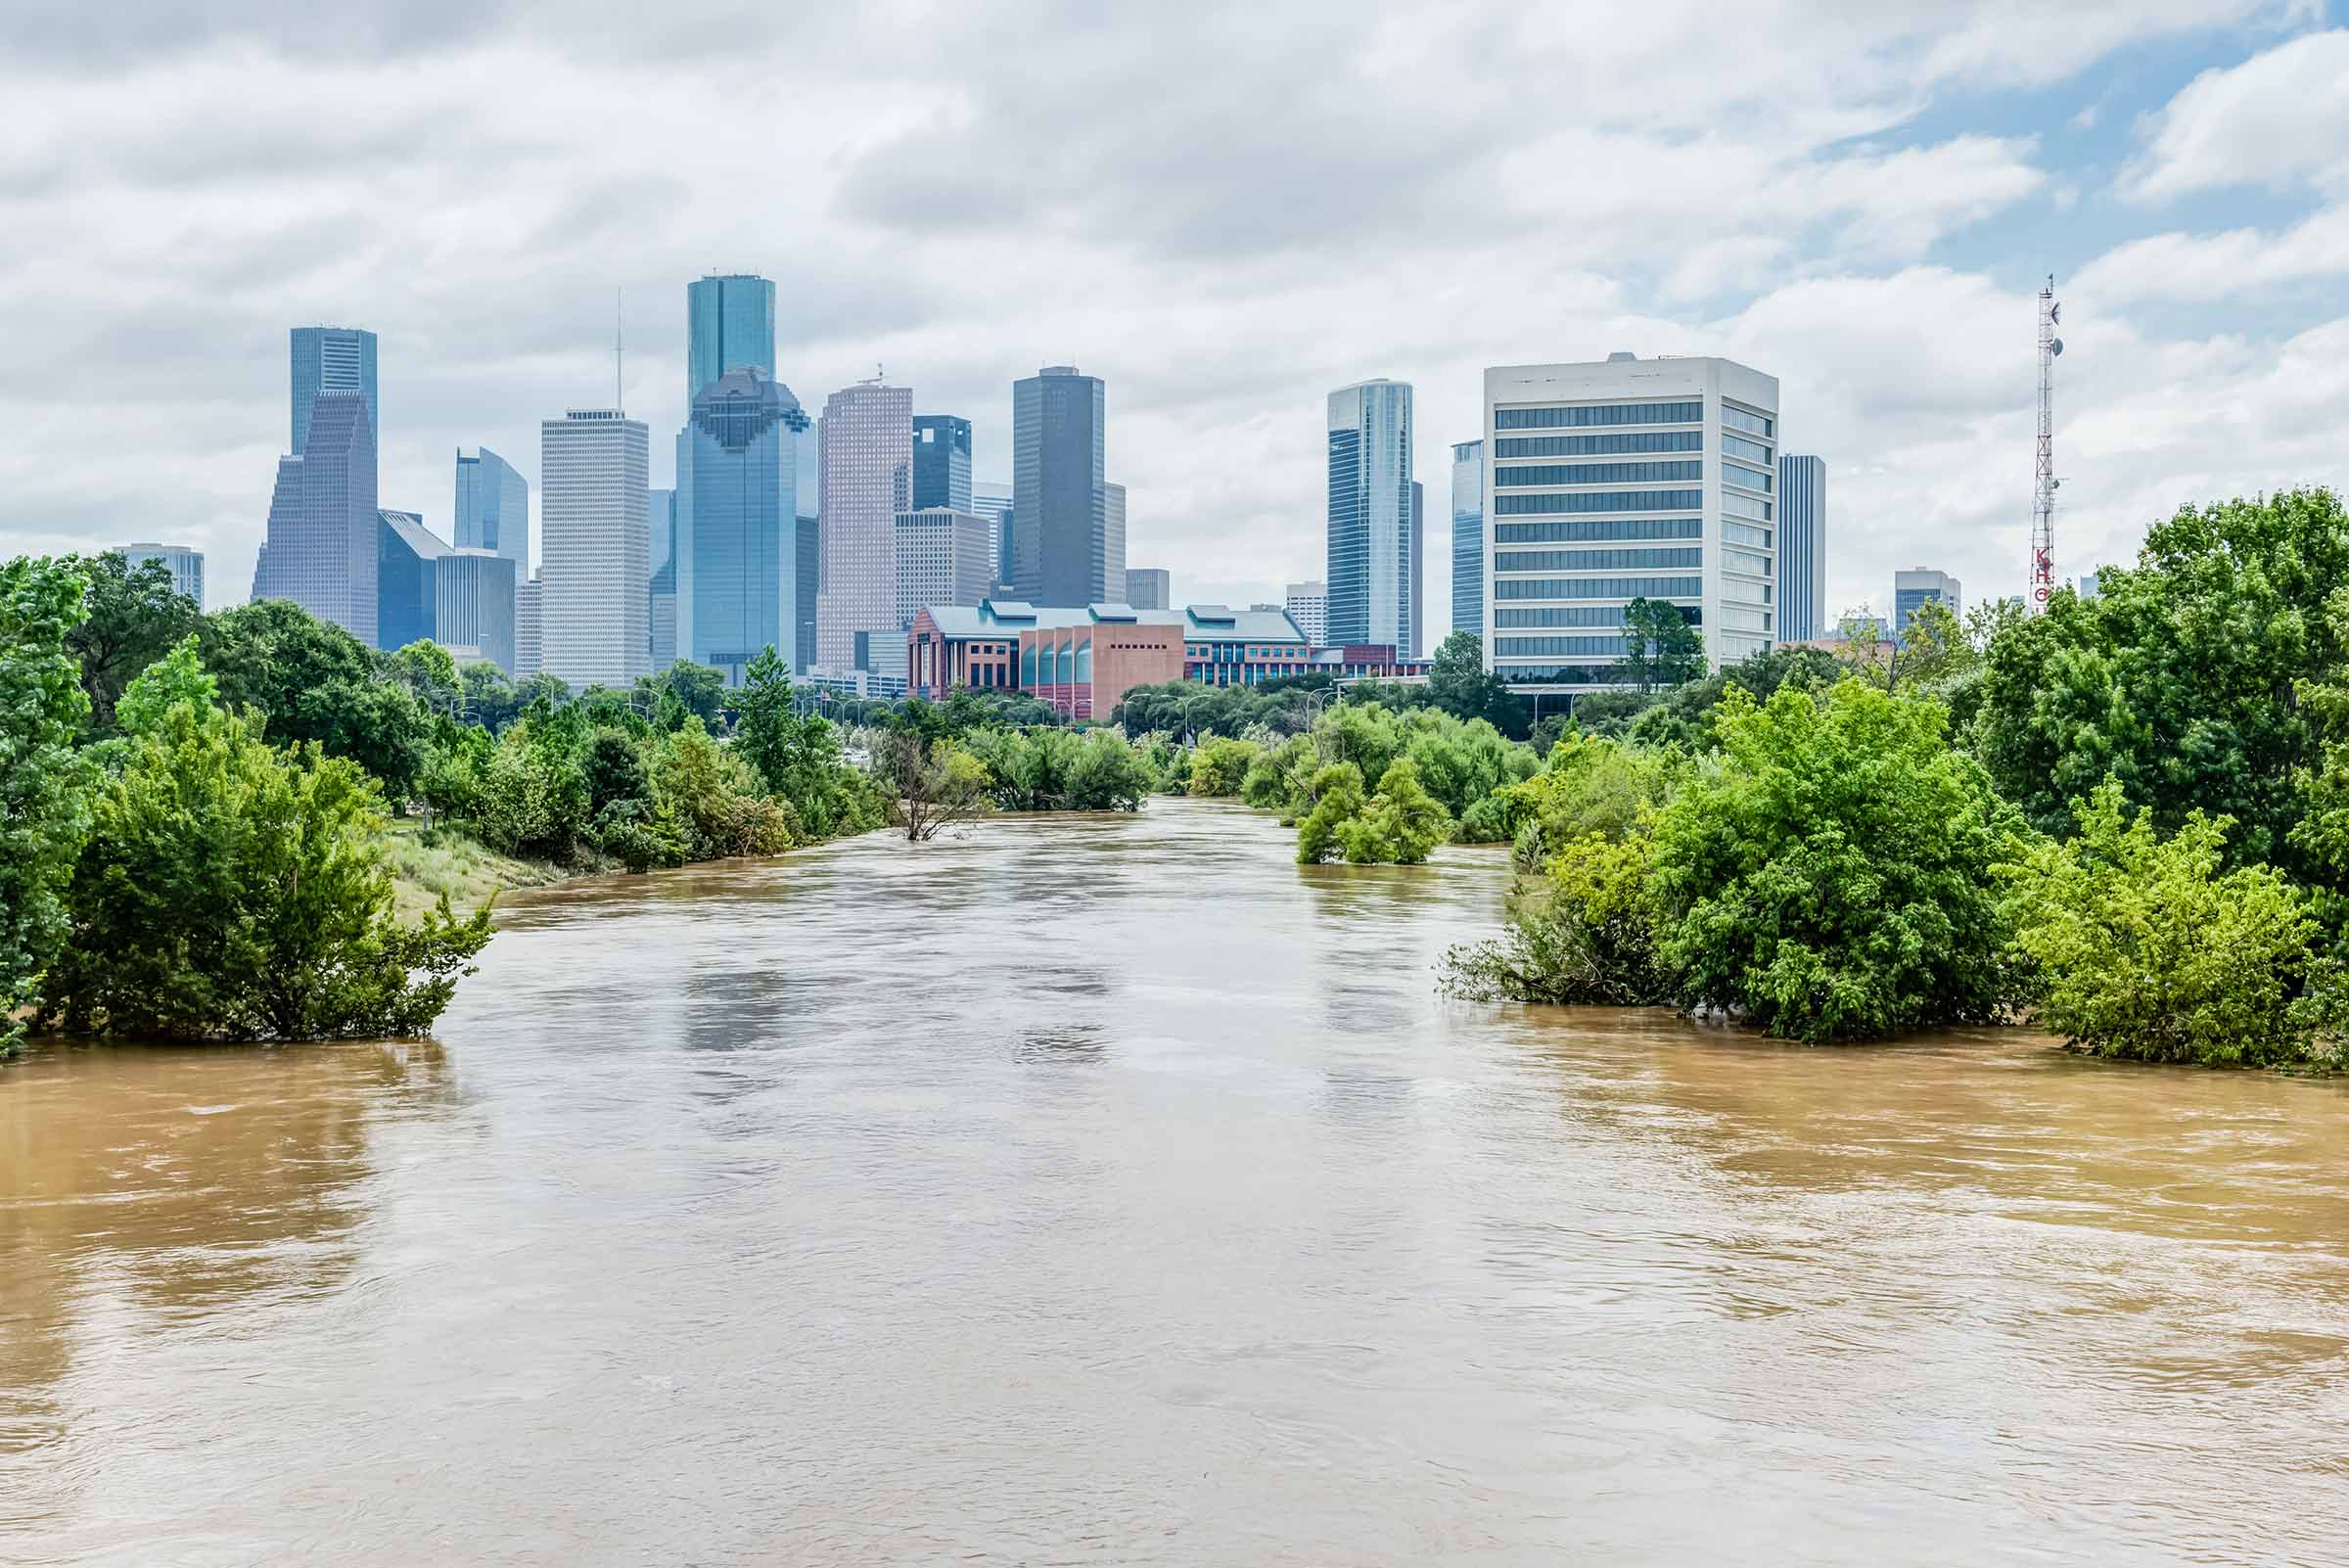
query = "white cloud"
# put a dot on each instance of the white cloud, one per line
(2280, 120)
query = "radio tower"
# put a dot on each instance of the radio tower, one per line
(2042, 501)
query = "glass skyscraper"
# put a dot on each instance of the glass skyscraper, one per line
(332, 360)
(1468, 537)
(942, 463)
(1060, 551)
(1371, 534)
(737, 560)
(1802, 548)
(493, 508)
(729, 324)
(320, 551)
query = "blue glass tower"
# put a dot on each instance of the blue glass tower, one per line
(942, 463)
(1468, 537)
(1370, 514)
(729, 323)
(332, 360)
(737, 561)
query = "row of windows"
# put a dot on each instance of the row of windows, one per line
(1519, 647)
(1598, 587)
(1742, 506)
(1604, 501)
(1744, 561)
(1580, 615)
(1597, 474)
(1593, 560)
(1739, 446)
(1745, 533)
(1675, 413)
(1646, 441)
(1739, 419)
(1753, 479)
(1575, 532)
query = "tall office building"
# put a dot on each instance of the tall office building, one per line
(186, 566)
(729, 324)
(737, 561)
(321, 547)
(1370, 512)
(1802, 548)
(1149, 588)
(993, 503)
(1629, 478)
(1415, 644)
(333, 359)
(1468, 537)
(405, 552)
(493, 508)
(474, 605)
(1113, 543)
(942, 463)
(529, 621)
(594, 553)
(1918, 586)
(1060, 525)
(942, 560)
(810, 535)
(1307, 604)
(864, 464)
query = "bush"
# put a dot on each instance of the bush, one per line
(1831, 879)
(2146, 950)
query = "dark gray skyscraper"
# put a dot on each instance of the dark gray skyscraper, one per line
(333, 359)
(1060, 545)
(321, 547)
(729, 323)
(942, 463)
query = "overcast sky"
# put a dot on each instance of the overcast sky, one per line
(1224, 211)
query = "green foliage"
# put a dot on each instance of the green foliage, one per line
(1219, 768)
(1336, 800)
(44, 785)
(132, 616)
(1829, 878)
(2145, 949)
(229, 891)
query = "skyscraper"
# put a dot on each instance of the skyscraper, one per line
(1060, 545)
(942, 463)
(993, 503)
(1802, 548)
(493, 508)
(595, 592)
(333, 359)
(1468, 537)
(865, 478)
(1600, 490)
(406, 553)
(185, 565)
(737, 562)
(1917, 586)
(1415, 644)
(1113, 543)
(1308, 606)
(943, 559)
(1149, 588)
(1370, 512)
(729, 323)
(321, 547)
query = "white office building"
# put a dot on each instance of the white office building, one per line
(595, 548)
(1622, 479)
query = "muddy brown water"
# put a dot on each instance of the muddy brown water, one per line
(1109, 1190)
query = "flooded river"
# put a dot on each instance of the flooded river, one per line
(1109, 1190)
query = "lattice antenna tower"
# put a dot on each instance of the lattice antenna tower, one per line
(2043, 498)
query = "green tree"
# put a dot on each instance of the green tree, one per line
(132, 617)
(44, 785)
(2146, 950)
(231, 892)
(1830, 877)
(1459, 683)
(1660, 647)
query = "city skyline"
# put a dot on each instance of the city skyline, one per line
(1880, 248)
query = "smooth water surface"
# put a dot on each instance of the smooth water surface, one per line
(1110, 1190)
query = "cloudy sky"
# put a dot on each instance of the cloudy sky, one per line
(1224, 209)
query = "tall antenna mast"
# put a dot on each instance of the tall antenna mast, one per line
(2043, 500)
(620, 356)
